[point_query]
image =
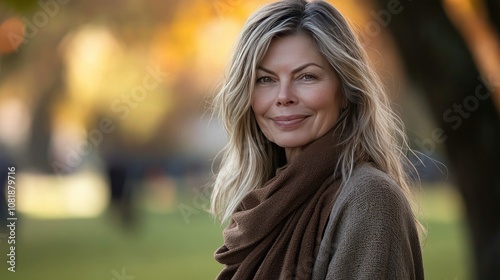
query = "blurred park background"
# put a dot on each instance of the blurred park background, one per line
(105, 113)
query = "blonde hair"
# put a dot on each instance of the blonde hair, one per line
(369, 127)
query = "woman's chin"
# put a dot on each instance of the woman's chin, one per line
(290, 143)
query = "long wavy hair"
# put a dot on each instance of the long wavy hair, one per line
(369, 127)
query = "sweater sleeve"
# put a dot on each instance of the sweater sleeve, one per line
(373, 234)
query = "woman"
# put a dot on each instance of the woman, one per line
(313, 179)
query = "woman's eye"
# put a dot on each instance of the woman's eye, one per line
(308, 77)
(264, 80)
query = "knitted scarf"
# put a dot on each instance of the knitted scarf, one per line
(278, 229)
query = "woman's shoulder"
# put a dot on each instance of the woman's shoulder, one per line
(366, 174)
(371, 221)
(373, 188)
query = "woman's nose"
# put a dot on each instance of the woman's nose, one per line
(286, 95)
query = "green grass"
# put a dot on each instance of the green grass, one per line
(445, 254)
(166, 247)
(446, 251)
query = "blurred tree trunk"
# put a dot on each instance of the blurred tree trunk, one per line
(493, 7)
(438, 62)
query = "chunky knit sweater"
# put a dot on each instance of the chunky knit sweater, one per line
(370, 232)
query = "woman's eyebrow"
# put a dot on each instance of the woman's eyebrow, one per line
(298, 69)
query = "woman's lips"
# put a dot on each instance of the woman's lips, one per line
(290, 121)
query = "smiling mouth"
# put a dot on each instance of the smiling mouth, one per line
(291, 121)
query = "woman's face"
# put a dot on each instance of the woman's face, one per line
(297, 96)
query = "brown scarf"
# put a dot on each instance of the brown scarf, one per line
(277, 233)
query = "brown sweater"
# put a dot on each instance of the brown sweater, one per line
(370, 233)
